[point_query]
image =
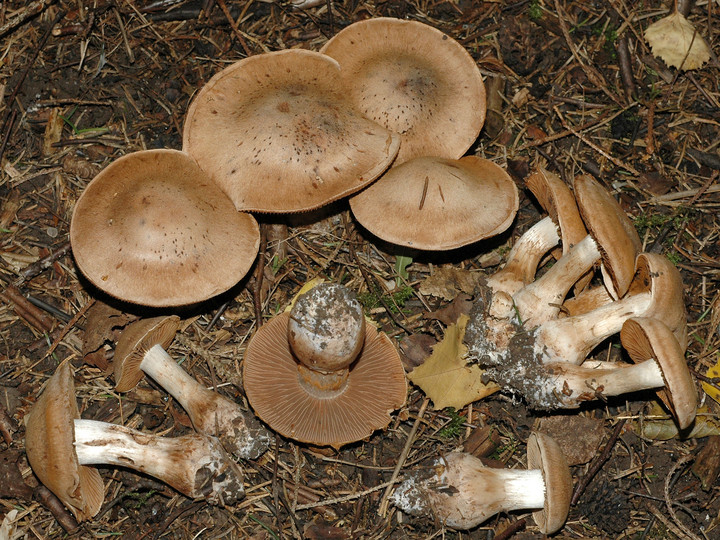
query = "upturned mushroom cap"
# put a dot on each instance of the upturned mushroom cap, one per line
(153, 229)
(375, 386)
(49, 438)
(278, 133)
(616, 238)
(137, 339)
(438, 204)
(645, 338)
(544, 453)
(415, 80)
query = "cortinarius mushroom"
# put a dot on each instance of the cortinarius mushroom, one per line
(462, 492)
(153, 229)
(141, 348)
(438, 204)
(278, 133)
(60, 445)
(319, 374)
(415, 80)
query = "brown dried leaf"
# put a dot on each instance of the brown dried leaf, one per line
(445, 376)
(565, 428)
(446, 283)
(102, 326)
(675, 40)
(414, 349)
(450, 313)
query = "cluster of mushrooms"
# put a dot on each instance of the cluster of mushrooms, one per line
(383, 115)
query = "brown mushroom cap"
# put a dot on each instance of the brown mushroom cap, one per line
(544, 453)
(154, 230)
(414, 80)
(134, 342)
(645, 338)
(374, 387)
(278, 133)
(616, 237)
(437, 204)
(49, 438)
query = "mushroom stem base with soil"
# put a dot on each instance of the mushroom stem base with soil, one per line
(195, 465)
(210, 412)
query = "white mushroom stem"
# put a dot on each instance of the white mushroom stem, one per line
(574, 384)
(540, 301)
(210, 412)
(195, 465)
(571, 339)
(464, 493)
(525, 256)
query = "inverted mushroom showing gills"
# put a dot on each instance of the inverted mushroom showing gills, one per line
(153, 229)
(60, 446)
(319, 374)
(141, 349)
(463, 493)
(415, 80)
(278, 133)
(438, 204)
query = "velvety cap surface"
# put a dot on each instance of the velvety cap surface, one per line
(278, 133)
(153, 229)
(438, 204)
(415, 80)
(375, 387)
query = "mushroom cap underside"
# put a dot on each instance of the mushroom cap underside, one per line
(545, 454)
(415, 80)
(438, 204)
(153, 229)
(647, 338)
(278, 133)
(49, 438)
(375, 386)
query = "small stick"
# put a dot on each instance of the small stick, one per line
(259, 273)
(7, 425)
(344, 498)
(234, 26)
(510, 530)
(48, 499)
(43, 264)
(626, 73)
(424, 193)
(26, 310)
(597, 464)
(72, 322)
(30, 10)
(679, 463)
(403, 456)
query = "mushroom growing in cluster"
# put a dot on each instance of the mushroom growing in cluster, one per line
(462, 492)
(141, 349)
(530, 344)
(61, 447)
(320, 374)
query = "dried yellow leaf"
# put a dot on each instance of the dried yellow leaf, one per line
(675, 40)
(445, 376)
(713, 372)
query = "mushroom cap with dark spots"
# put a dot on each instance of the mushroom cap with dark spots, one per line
(153, 229)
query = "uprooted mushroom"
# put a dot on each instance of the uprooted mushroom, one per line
(462, 492)
(60, 447)
(532, 339)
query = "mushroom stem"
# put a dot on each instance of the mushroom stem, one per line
(210, 412)
(540, 301)
(195, 465)
(525, 256)
(575, 384)
(571, 339)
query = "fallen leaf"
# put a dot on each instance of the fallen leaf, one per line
(445, 376)
(415, 349)
(103, 325)
(446, 283)
(450, 313)
(666, 429)
(675, 40)
(564, 428)
(713, 372)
